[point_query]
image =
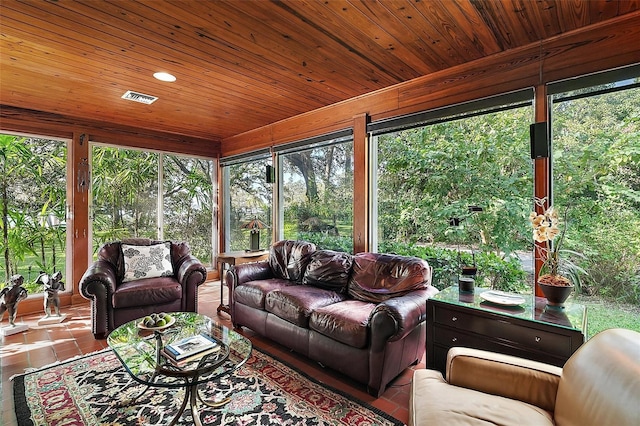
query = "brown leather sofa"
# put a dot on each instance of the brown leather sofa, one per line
(599, 385)
(114, 302)
(362, 315)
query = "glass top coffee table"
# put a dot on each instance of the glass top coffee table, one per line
(141, 353)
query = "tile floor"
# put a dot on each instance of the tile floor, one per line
(43, 345)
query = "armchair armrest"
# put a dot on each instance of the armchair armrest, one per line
(98, 280)
(529, 381)
(190, 274)
(99, 283)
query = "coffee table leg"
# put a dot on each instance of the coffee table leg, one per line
(188, 394)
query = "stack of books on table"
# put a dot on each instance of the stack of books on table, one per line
(190, 349)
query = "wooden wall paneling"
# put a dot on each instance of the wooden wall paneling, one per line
(361, 184)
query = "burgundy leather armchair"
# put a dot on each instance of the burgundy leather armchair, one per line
(115, 301)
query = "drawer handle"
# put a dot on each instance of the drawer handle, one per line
(454, 318)
(538, 338)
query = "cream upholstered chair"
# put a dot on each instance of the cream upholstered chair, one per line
(599, 385)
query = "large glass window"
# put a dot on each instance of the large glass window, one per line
(188, 203)
(596, 176)
(125, 194)
(249, 203)
(33, 208)
(152, 195)
(317, 193)
(458, 191)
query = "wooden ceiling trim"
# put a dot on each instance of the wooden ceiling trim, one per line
(510, 71)
(324, 120)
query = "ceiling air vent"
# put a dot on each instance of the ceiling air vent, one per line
(139, 97)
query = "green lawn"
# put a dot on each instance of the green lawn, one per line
(603, 314)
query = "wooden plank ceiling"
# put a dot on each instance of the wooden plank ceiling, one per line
(241, 65)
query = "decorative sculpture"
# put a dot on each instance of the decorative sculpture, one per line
(52, 285)
(10, 296)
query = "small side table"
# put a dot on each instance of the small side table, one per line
(231, 259)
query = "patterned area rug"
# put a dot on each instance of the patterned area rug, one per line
(265, 391)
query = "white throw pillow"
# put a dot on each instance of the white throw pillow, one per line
(146, 261)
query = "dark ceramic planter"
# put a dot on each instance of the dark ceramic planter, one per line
(556, 295)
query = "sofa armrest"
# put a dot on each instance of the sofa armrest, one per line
(246, 272)
(395, 318)
(521, 379)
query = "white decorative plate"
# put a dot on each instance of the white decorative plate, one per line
(502, 298)
(169, 324)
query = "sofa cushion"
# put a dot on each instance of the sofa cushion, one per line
(144, 292)
(377, 277)
(295, 303)
(146, 261)
(346, 322)
(288, 259)
(328, 269)
(254, 293)
(433, 402)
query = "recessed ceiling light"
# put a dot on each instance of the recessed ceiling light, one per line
(165, 76)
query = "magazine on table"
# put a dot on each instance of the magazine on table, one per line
(191, 346)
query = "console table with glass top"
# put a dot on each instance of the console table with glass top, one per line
(139, 351)
(532, 330)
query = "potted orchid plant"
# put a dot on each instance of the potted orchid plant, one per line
(557, 272)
